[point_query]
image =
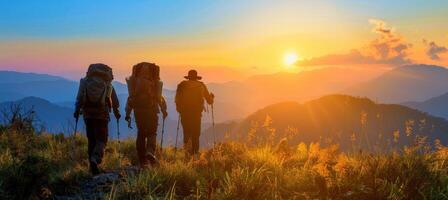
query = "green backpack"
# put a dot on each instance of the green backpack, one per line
(98, 88)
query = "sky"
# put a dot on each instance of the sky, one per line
(224, 39)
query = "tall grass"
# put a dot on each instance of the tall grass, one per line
(43, 166)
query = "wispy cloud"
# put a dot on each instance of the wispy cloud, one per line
(388, 48)
(433, 50)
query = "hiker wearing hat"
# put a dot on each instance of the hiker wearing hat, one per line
(95, 100)
(146, 100)
(190, 96)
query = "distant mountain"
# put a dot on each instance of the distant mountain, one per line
(437, 106)
(404, 84)
(53, 117)
(247, 96)
(20, 77)
(17, 85)
(339, 118)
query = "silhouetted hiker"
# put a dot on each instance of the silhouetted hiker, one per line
(190, 97)
(95, 100)
(145, 98)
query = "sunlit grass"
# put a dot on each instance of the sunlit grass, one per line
(48, 165)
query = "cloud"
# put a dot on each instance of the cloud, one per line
(387, 48)
(433, 50)
(354, 57)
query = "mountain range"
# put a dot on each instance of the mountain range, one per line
(404, 84)
(437, 106)
(337, 118)
(417, 85)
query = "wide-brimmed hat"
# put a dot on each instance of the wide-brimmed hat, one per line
(193, 75)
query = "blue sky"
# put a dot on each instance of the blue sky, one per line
(241, 35)
(114, 18)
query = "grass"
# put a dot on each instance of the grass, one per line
(42, 166)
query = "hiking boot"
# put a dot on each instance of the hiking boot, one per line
(94, 168)
(152, 159)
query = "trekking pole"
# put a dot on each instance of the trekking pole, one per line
(177, 135)
(118, 138)
(76, 126)
(118, 130)
(163, 131)
(213, 127)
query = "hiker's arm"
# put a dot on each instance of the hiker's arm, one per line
(163, 106)
(128, 107)
(209, 97)
(115, 104)
(177, 98)
(79, 99)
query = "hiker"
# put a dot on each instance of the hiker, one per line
(145, 98)
(96, 98)
(190, 96)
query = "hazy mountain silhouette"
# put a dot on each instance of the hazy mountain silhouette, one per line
(437, 106)
(258, 91)
(17, 85)
(53, 117)
(404, 84)
(21, 77)
(338, 118)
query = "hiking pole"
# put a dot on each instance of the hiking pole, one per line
(76, 126)
(177, 135)
(118, 138)
(161, 139)
(213, 127)
(118, 130)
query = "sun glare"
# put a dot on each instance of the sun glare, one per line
(290, 59)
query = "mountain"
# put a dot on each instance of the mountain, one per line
(245, 97)
(404, 84)
(437, 106)
(53, 117)
(20, 77)
(17, 85)
(338, 118)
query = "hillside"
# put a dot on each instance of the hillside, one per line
(340, 119)
(404, 84)
(55, 167)
(17, 85)
(437, 106)
(52, 117)
(245, 97)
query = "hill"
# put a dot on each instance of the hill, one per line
(404, 84)
(245, 97)
(52, 117)
(339, 119)
(21, 77)
(17, 85)
(437, 106)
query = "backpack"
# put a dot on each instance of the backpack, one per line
(190, 96)
(98, 88)
(144, 86)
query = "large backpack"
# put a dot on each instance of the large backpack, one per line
(98, 89)
(144, 86)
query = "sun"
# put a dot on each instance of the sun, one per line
(289, 59)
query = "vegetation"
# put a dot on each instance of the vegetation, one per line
(46, 165)
(39, 165)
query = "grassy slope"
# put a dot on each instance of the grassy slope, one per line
(47, 165)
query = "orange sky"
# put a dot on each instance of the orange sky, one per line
(254, 41)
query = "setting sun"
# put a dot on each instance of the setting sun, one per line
(290, 58)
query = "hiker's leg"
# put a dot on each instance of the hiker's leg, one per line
(142, 135)
(196, 132)
(101, 134)
(187, 125)
(90, 132)
(152, 137)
